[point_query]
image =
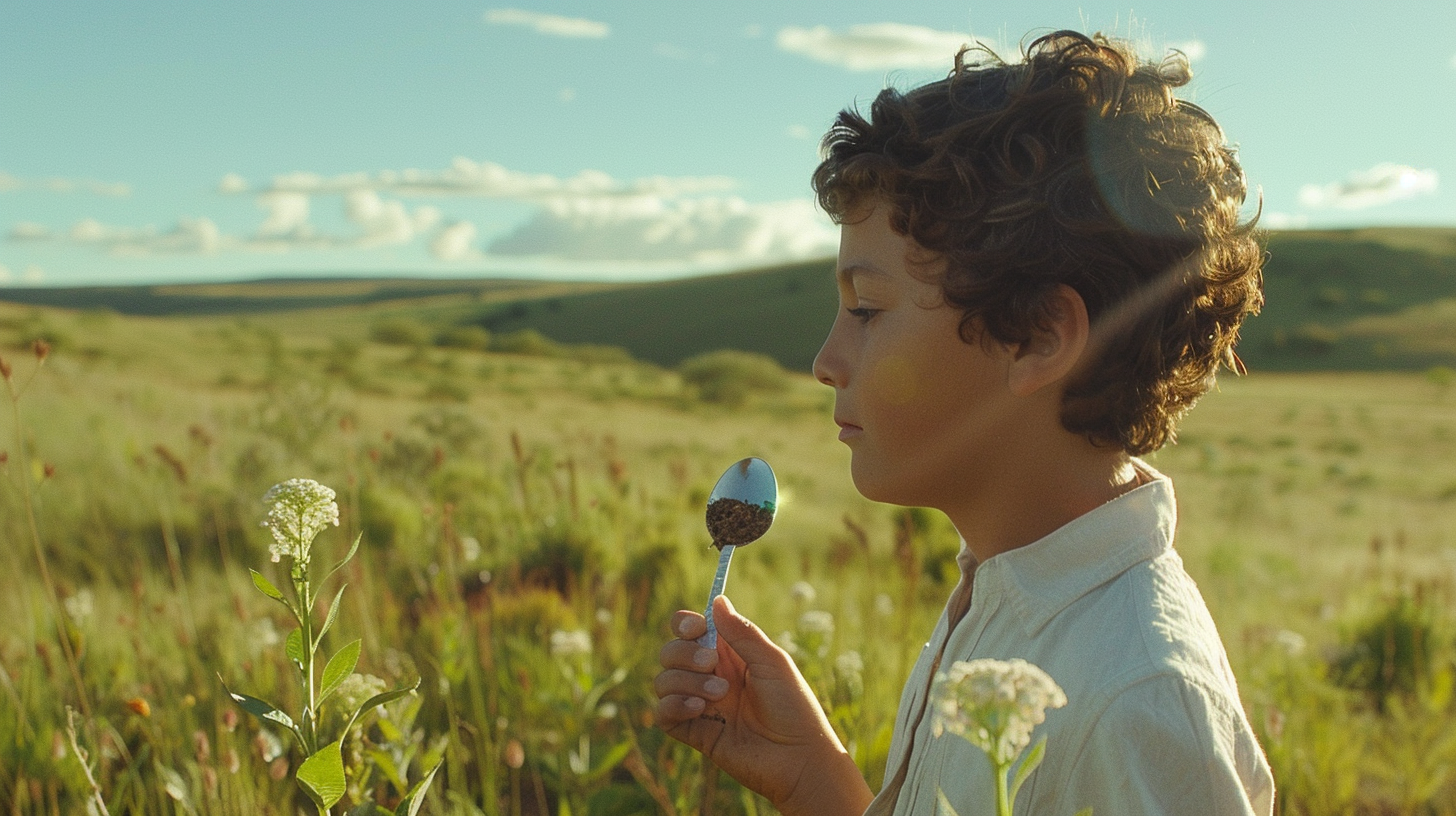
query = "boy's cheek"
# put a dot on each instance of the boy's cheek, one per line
(894, 381)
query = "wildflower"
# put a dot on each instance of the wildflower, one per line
(884, 605)
(81, 605)
(515, 754)
(574, 643)
(816, 622)
(849, 664)
(356, 689)
(994, 704)
(298, 510)
(1290, 641)
(803, 592)
(140, 706)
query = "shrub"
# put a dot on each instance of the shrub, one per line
(526, 341)
(728, 377)
(397, 331)
(474, 338)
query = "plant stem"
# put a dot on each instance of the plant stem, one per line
(45, 573)
(1003, 799)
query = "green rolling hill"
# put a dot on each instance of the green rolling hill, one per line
(1369, 299)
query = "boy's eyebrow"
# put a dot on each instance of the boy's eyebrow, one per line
(854, 269)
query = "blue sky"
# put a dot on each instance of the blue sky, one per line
(160, 141)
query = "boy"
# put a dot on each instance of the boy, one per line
(1041, 268)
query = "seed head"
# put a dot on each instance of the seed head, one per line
(994, 704)
(4, 369)
(298, 510)
(41, 348)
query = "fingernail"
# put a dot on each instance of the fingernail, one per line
(694, 704)
(704, 657)
(682, 627)
(716, 686)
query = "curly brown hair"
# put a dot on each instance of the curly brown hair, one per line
(1076, 166)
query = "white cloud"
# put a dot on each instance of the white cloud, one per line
(32, 274)
(30, 231)
(1194, 50)
(455, 242)
(386, 223)
(877, 46)
(484, 179)
(708, 231)
(5, 275)
(1453, 60)
(232, 183)
(115, 189)
(190, 236)
(1382, 184)
(551, 24)
(566, 94)
(287, 214)
(1283, 221)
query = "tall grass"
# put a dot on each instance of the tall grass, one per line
(527, 531)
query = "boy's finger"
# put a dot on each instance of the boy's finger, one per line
(744, 636)
(677, 683)
(689, 625)
(687, 654)
(675, 710)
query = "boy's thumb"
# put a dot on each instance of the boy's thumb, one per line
(743, 635)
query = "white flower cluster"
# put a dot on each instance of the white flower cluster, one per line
(573, 643)
(994, 704)
(298, 510)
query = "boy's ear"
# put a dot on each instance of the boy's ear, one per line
(1055, 348)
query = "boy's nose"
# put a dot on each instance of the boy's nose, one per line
(826, 362)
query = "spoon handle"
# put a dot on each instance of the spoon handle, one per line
(710, 639)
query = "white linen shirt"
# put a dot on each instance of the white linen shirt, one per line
(1153, 722)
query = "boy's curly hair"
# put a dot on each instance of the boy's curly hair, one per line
(1077, 167)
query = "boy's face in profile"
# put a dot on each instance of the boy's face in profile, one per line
(927, 416)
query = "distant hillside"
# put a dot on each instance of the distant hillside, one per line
(273, 295)
(783, 312)
(1368, 299)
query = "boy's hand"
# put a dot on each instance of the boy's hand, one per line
(747, 708)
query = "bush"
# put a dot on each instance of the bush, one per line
(464, 337)
(526, 341)
(397, 331)
(728, 377)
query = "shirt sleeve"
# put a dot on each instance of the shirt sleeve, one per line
(1168, 746)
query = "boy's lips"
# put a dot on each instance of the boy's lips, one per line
(848, 430)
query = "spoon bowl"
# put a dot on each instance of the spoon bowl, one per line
(740, 510)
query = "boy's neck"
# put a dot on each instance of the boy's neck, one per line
(1033, 495)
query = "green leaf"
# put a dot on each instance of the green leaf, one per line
(263, 710)
(1028, 764)
(378, 700)
(384, 761)
(354, 548)
(265, 586)
(608, 762)
(333, 613)
(1085, 812)
(410, 804)
(341, 665)
(369, 809)
(293, 647)
(322, 776)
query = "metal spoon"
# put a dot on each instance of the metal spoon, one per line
(740, 510)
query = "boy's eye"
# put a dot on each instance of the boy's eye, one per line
(863, 313)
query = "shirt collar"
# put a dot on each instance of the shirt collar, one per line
(1044, 577)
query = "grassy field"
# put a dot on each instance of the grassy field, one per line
(506, 497)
